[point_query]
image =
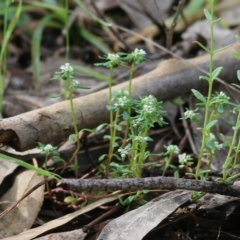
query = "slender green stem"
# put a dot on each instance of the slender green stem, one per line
(237, 153)
(225, 174)
(142, 150)
(130, 80)
(168, 162)
(210, 82)
(134, 156)
(111, 127)
(67, 30)
(128, 123)
(74, 123)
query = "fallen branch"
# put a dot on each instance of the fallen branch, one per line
(132, 184)
(170, 79)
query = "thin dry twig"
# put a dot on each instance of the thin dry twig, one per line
(170, 183)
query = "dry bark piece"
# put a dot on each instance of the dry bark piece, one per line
(170, 79)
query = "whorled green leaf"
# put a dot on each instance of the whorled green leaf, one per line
(216, 73)
(199, 96)
(211, 124)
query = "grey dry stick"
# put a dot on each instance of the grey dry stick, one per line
(131, 184)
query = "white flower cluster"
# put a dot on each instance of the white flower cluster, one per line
(140, 139)
(124, 151)
(113, 57)
(218, 145)
(48, 148)
(139, 53)
(75, 83)
(149, 104)
(121, 101)
(190, 114)
(136, 122)
(223, 96)
(172, 149)
(148, 108)
(66, 68)
(183, 158)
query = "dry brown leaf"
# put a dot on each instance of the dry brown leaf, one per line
(137, 13)
(136, 224)
(23, 215)
(230, 12)
(73, 235)
(32, 233)
(6, 168)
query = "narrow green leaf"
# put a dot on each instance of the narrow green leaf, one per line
(216, 20)
(238, 74)
(236, 55)
(56, 95)
(216, 72)
(237, 166)
(204, 78)
(55, 78)
(203, 47)
(88, 130)
(235, 85)
(102, 157)
(211, 124)
(237, 38)
(57, 159)
(222, 49)
(29, 166)
(107, 137)
(101, 126)
(207, 15)
(199, 96)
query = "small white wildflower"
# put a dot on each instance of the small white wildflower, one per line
(212, 136)
(140, 139)
(148, 108)
(223, 96)
(75, 83)
(218, 145)
(48, 147)
(183, 158)
(136, 122)
(124, 151)
(122, 101)
(149, 99)
(190, 114)
(113, 57)
(67, 68)
(139, 52)
(172, 149)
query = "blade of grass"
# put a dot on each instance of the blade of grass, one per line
(35, 47)
(94, 40)
(6, 37)
(29, 166)
(92, 15)
(90, 72)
